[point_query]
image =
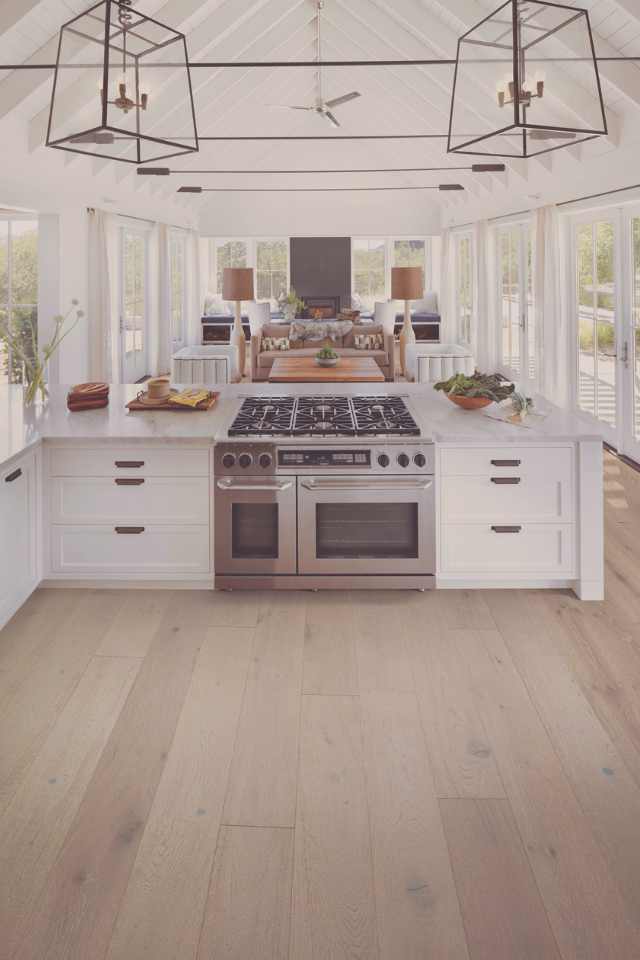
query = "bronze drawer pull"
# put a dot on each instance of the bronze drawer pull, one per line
(506, 463)
(129, 464)
(504, 481)
(129, 529)
(13, 476)
(129, 481)
(507, 529)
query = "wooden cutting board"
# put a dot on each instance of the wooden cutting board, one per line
(166, 405)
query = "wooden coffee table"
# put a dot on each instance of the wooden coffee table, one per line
(306, 370)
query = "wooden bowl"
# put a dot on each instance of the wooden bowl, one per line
(469, 403)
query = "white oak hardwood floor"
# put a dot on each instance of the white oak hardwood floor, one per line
(385, 776)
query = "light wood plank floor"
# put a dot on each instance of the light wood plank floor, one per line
(441, 776)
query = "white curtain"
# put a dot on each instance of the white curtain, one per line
(484, 347)
(102, 304)
(550, 317)
(448, 332)
(195, 302)
(162, 358)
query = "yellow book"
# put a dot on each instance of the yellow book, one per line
(189, 398)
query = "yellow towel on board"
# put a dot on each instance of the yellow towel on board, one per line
(189, 398)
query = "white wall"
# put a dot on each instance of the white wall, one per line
(318, 214)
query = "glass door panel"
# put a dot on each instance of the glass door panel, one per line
(515, 294)
(631, 354)
(133, 306)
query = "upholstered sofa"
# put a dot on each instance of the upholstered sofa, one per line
(262, 360)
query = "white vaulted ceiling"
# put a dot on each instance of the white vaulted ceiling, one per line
(236, 102)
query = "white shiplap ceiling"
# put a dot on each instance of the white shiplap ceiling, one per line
(394, 100)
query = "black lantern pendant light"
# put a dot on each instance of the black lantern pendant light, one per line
(124, 120)
(517, 54)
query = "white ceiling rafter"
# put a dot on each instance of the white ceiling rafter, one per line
(11, 11)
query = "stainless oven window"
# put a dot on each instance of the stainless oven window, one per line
(353, 531)
(254, 531)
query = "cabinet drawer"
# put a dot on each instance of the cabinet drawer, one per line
(158, 551)
(479, 549)
(120, 499)
(514, 497)
(496, 461)
(110, 461)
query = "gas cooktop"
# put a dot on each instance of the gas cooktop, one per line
(324, 416)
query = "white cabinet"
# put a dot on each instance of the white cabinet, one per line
(129, 511)
(18, 533)
(507, 514)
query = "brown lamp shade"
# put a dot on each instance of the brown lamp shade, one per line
(237, 283)
(407, 283)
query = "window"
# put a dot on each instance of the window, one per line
(596, 298)
(133, 307)
(177, 257)
(272, 270)
(368, 270)
(464, 287)
(634, 351)
(515, 299)
(411, 253)
(18, 292)
(228, 253)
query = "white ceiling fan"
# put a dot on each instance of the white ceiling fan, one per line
(322, 107)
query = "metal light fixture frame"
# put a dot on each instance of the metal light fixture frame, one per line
(520, 123)
(105, 128)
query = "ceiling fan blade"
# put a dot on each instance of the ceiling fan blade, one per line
(287, 106)
(330, 117)
(345, 99)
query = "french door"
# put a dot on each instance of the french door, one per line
(133, 304)
(606, 257)
(517, 347)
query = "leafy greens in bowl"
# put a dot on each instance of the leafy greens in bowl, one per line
(478, 390)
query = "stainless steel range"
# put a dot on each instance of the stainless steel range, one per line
(333, 492)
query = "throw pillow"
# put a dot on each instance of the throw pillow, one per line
(275, 343)
(369, 341)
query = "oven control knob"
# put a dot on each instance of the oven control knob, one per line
(228, 460)
(245, 460)
(383, 460)
(403, 460)
(420, 460)
(265, 460)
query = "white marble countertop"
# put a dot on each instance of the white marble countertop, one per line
(437, 417)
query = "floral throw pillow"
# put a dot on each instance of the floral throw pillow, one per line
(369, 341)
(275, 343)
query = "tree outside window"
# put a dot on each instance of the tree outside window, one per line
(464, 288)
(18, 291)
(410, 253)
(229, 253)
(368, 264)
(272, 269)
(177, 246)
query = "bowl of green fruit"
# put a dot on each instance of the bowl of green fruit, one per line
(476, 391)
(327, 357)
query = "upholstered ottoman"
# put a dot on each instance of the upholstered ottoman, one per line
(205, 365)
(429, 363)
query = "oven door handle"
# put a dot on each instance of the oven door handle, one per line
(272, 487)
(384, 483)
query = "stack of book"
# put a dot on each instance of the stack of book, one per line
(88, 396)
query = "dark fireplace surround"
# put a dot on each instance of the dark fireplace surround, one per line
(321, 273)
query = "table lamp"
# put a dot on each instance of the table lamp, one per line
(407, 283)
(237, 285)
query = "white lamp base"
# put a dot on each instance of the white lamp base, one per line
(238, 341)
(407, 335)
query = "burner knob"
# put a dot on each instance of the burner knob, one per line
(403, 460)
(228, 460)
(245, 460)
(265, 460)
(420, 460)
(383, 460)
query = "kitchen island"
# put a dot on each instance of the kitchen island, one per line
(79, 489)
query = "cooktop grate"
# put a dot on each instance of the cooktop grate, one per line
(324, 416)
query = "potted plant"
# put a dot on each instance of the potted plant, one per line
(291, 305)
(327, 357)
(478, 390)
(34, 360)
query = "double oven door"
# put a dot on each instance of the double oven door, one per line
(325, 525)
(255, 526)
(366, 525)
